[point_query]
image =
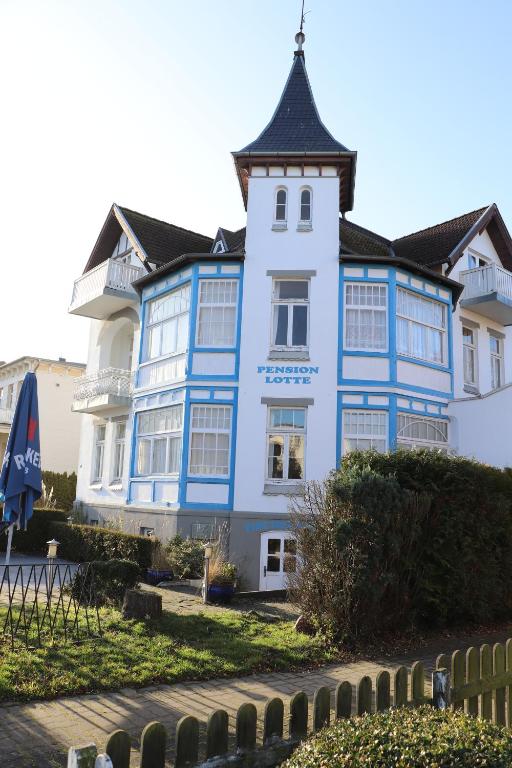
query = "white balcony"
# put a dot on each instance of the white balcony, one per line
(6, 415)
(488, 291)
(106, 390)
(105, 289)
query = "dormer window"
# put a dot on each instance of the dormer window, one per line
(305, 209)
(219, 247)
(280, 209)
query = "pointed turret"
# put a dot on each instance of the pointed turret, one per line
(296, 134)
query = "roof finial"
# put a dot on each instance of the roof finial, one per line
(300, 36)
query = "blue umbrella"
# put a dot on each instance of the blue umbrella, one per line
(20, 477)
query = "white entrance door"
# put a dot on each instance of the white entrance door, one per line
(278, 558)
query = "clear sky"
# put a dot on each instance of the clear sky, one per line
(141, 103)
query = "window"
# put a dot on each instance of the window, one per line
(305, 206)
(421, 327)
(421, 432)
(216, 320)
(281, 205)
(210, 440)
(98, 453)
(219, 247)
(469, 353)
(118, 458)
(122, 249)
(496, 361)
(286, 442)
(290, 308)
(159, 440)
(364, 430)
(167, 323)
(10, 396)
(475, 260)
(366, 316)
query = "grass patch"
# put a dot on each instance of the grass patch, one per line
(172, 649)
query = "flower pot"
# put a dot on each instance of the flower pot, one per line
(220, 593)
(155, 575)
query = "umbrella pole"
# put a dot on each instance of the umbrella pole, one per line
(9, 543)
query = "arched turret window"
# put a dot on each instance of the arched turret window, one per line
(281, 206)
(415, 431)
(305, 205)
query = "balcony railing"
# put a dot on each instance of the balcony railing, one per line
(95, 293)
(484, 280)
(109, 381)
(6, 415)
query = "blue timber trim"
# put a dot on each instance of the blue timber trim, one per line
(338, 427)
(391, 280)
(185, 478)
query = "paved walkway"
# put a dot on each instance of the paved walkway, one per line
(39, 734)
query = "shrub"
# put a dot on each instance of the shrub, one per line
(105, 582)
(186, 557)
(422, 737)
(62, 488)
(39, 531)
(405, 540)
(223, 574)
(85, 543)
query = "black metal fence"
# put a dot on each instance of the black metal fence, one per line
(48, 603)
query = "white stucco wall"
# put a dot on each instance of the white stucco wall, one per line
(481, 427)
(287, 250)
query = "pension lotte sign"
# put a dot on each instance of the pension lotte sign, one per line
(288, 374)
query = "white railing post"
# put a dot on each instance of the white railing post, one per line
(112, 274)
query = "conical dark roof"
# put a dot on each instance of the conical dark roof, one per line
(295, 125)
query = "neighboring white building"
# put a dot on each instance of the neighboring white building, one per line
(59, 429)
(223, 373)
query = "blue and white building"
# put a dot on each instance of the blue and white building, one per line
(224, 372)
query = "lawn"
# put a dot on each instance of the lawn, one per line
(172, 649)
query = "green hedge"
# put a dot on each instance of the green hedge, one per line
(85, 543)
(402, 737)
(39, 531)
(105, 582)
(407, 540)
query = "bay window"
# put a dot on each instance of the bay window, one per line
(168, 323)
(286, 443)
(210, 440)
(421, 327)
(364, 430)
(290, 314)
(216, 319)
(366, 317)
(415, 431)
(497, 377)
(159, 441)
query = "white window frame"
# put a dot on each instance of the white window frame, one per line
(373, 436)
(412, 442)
(196, 430)
(286, 433)
(216, 305)
(305, 223)
(365, 307)
(443, 329)
(149, 326)
(476, 258)
(98, 454)
(10, 396)
(472, 350)
(497, 359)
(280, 223)
(118, 452)
(290, 303)
(152, 437)
(219, 247)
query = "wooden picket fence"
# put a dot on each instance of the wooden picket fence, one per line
(478, 681)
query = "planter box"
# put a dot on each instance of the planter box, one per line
(220, 594)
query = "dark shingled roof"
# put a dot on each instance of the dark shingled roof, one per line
(235, 241)
(161, 241)
(434, 244)
(356, 239)
(295, 125)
